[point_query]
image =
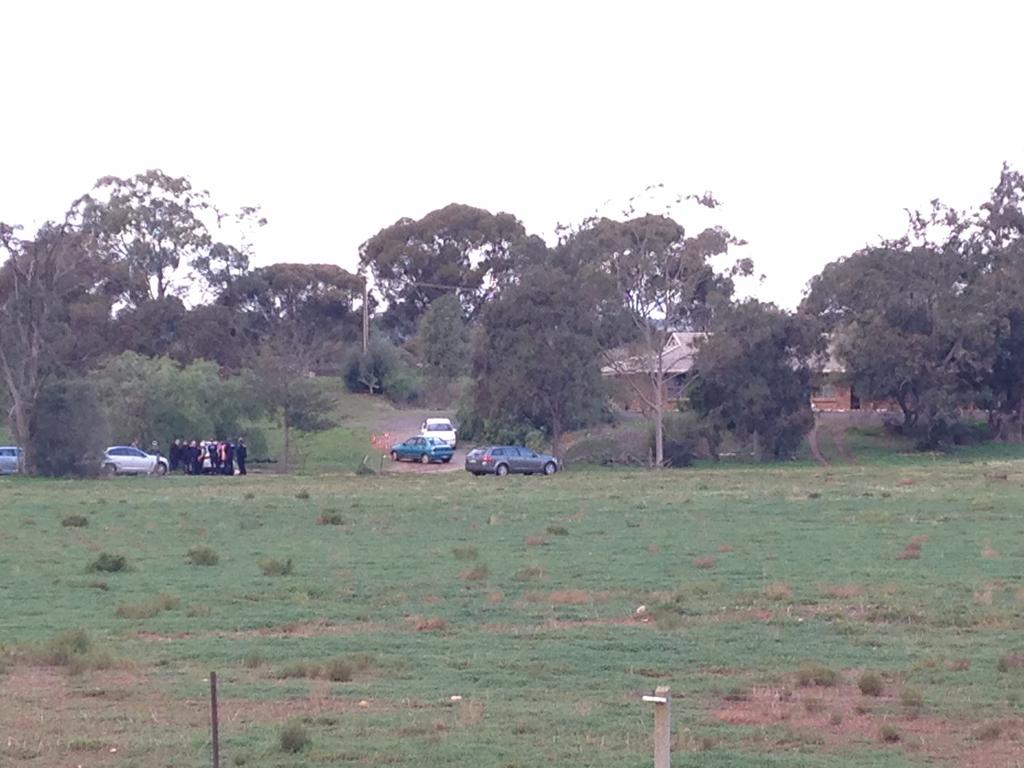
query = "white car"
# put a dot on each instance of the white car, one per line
(442, 429)
(128, 460)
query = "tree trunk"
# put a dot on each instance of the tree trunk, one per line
(284, 453)
(756, 438)
(659, 424)
(556, 434)
(19, 420)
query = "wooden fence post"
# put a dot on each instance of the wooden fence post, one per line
(662, 701)
(214, 725)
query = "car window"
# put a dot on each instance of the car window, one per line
(6, 452)
(136, 452)
(445, 427)
(498, 452)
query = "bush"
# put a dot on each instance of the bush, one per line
(273, 567)
(682, 435)
(107, 563)
(147, 609)
(339, 670)
(75, 521)
(381, 371)
(294, 738)
(870, 684)
(330, 517)
(69, 430)
(814, 673)
(252, 660)
(202, 555)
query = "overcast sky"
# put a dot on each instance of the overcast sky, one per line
(815, 123)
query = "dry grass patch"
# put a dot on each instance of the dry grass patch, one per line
(704, 562)
(535, 541)
(495, 597)
(653, 549)
(1010, 661)
(777, 591)
(725, 548)
(841, 591)
(477, 573)
(989, 553)
(813, 673)
(530, 573)
(147, 609)
(871, 684)
(428, 623)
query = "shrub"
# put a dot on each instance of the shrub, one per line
(108, 563)
(273, 567)
(69, 429)
(870, 684)
(912, 698)
(339, 670)
(530, 573)
(198, 610)
(988, 732)
(252, 660)
(294, 738)
(704, 562)
(815, 673)
(889, 734)
(202, 555)
(296, 669)
(465, 553)
(75, 651)
(302, 495)
(1010, 661)
(682, 435)
(147, 609)
(558, 530)
(75, 521)
(330, 517)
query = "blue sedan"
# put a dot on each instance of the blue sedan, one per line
(423, 449)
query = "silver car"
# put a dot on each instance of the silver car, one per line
(129, 460)
(9, 456)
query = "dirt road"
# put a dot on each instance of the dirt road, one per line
(403, 424)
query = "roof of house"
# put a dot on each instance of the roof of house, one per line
(680, 353)
(677, 357)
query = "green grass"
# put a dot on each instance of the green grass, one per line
(549, 668)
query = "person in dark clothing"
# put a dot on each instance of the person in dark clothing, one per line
(241, 453)
(196, 457)
(175, 456)
(213, 449)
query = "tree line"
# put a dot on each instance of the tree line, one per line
(139, 313)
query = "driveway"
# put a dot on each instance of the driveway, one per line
(402, 424)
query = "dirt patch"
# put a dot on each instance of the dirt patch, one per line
(835, 718)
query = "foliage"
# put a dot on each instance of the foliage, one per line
(536, 361)
(456, 248)
(157, 399)
(294, 738)
(108, 563)
(753, 376)
(442, 340)
(202, 554)
(69, 429)
(666, 282)
(683, 437)
(381, 371)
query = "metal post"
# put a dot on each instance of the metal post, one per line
(662, 701)
(214, 730)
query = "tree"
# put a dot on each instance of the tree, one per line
(309, 308)
(150, 223)
(666, 283)
(285, 387)
(537, 358)
(69, 429)
(754, 374)
(46, 285)
(456, 249)
(155, 398)
(442, 340)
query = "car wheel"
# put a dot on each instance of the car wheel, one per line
(501, 470)
(109, 470)
(394, 455)
(160, 469)
(446, 459)
(550, 468)
(425, 458)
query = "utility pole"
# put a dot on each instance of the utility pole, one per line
(366, 313)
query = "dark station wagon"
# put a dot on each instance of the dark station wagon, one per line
(509, 459)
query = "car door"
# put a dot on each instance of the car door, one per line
(141, 462)
(515, 459)
(532, 460)
(8, 460)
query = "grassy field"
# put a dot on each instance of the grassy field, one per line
(771, 597)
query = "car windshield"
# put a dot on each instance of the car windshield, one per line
(439, 427)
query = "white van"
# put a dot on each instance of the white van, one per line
(442, 429)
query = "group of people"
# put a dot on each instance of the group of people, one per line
(208, 457)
